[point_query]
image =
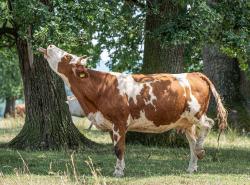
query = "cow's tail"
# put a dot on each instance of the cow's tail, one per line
(221, 111)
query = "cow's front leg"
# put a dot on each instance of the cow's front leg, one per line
(119, 147)
(190, 134)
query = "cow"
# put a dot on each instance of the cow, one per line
(153, 103)
(20, 110)
(75, 108)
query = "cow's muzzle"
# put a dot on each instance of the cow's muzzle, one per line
(44, 51)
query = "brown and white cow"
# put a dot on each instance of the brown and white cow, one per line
(144, 103)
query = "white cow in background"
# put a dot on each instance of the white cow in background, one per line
(75, 108)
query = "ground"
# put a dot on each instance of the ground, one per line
(144, 165)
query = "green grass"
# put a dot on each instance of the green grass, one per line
(144, 165)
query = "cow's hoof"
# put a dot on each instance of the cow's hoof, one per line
(192, 169)
(118, 173)
(200, 154)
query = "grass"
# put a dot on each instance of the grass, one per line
(144, 165)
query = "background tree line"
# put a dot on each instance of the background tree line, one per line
(141, 36)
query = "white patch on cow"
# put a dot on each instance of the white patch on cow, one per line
(116, 133)
(143, 124)
(182, 81)
(100, 121)
(151, 94)
(80, 60)
(189, 116)
(194, 105)
(54, 56)
(128, 86)
(75, 108)
(119, 168)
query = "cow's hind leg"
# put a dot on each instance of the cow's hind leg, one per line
(190, 134)
(205, 124)
(119, 147)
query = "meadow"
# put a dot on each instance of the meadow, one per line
(144, 165)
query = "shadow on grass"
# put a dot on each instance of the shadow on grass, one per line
(141, 161)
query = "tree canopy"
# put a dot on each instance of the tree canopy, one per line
(10, 78)
(89, 27)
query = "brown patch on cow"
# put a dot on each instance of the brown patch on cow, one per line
(81, 71)
(170, 101)
(200, 90)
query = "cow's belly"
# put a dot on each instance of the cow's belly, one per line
(144, 125)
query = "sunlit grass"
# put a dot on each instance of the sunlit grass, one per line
(144, 165)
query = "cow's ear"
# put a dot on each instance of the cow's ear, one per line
(83, 60)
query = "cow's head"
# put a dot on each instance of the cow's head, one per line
(64, 63)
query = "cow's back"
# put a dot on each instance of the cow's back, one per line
(167, 101)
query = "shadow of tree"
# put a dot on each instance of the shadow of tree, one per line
(141, 161)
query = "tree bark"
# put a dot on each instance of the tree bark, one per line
(10, 107)
(159, 58)
(48, 123)
(225, 73)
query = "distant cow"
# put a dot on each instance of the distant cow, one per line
(20, 110)
(75, 108)
(152, 103)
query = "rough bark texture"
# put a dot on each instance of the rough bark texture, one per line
(245, 88)
(225, 73)
(48, 123)
(10, 107)
(158, 58)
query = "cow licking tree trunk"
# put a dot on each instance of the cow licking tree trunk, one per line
(152, 103)
(159, 58)
(10, 107)
(48, 123)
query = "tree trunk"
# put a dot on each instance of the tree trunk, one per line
(10, 107)
(48, 123)
(244, 90)
(159, 58)
(225, 73)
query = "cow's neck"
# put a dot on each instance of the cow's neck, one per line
(88, 91)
